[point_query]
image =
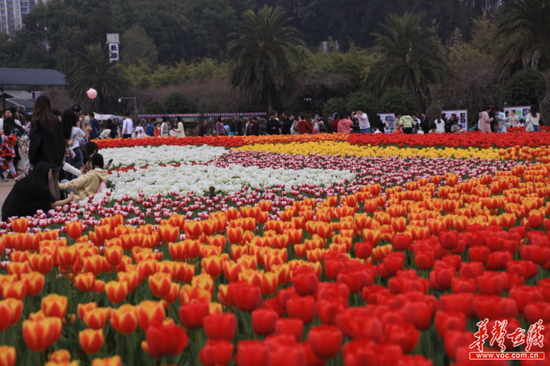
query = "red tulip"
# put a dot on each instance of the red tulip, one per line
(193, 314)
(302, 308)
(328, 309)
(325, 341)
(251, 353)
(287, 356)
(220, 326)
(447, 321)
(294, 327)
(264, 321)
(216, 353)
(304, 281)
(165, 340)
(246, 297)
(448, 239)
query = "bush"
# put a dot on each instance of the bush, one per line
(154, 107)
(396, 100)
(176, 102)
(335, 105)
(526, 87)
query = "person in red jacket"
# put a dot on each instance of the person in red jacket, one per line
(303, 125)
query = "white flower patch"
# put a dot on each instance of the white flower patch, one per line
(147, 155)
(198, 179)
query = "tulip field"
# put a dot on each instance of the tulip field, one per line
(330, 249)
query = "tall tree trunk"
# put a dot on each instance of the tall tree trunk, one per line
(544, 105)
(269, 100)
(434, 110)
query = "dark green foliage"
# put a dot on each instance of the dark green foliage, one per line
(337, 105)
(526, 87)
(396, 100)
(154, 107)
(363, 101)
(177, 102)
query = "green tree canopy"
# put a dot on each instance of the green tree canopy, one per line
(93, 69)
(411, 57)
(261, 52)
(396, 100)
(526, 87)
(138, 45)
(335, 105)
(363, 101)
(525, 25)
(177, 102)
(154, 107)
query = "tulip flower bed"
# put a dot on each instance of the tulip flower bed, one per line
(295, 260)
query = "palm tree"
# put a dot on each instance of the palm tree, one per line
(410, 57)
(525, 27)
(262, 51)
(93, 69)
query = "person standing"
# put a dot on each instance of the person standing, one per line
(425, 124)
(303, 126)
(127, 126)
(255, 128)
(180, 131)
(287, 124)
(203, 130)
(139, 131)
(150, 129)
(363, 119)
(440, 124)
(47, 143)
(220, 127)
(396, 122)
(272, 126)
(407, 122)
(334, 123)
(344, 126)
(532, 120)
(512, 120)
(485, 120)
(165, 128)
(95, 132)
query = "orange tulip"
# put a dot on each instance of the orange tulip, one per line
(372, 236)
(99, 286)
(131, 278)
(67, 256)
(60, 356)
(191, 294)
(20, 225)
(91, 340)
(116, 291)
(42, 263)
(55, 306)
(96, 318)
(150, 313)
(177, 251)
(173, 295)
(7, 356)
(6, 315)
(168, 234)
(160, 284)
(15, 290)
(84, 308)
(183, 272)
(85, 282)
(213, 265)
(234, 235)
(35, 283)
(114, 255)
(193, 228)
(192, 248)
(124, 319)
(269, 283)
(41, 334)
(109, 361)
(74, 229)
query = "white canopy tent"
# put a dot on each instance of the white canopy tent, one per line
(104, 117)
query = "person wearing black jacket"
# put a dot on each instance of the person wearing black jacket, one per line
(47, 142)
(287, 124)
(425, 124)
(273, 127)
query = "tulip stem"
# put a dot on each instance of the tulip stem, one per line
(164, 360)
(131, 351)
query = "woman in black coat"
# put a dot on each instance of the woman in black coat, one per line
(47, 142)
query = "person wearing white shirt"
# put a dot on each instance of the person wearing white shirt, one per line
(364, 124)
(139, 131)
(127, 127)
(440, 125)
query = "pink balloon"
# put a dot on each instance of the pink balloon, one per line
(92, 93)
